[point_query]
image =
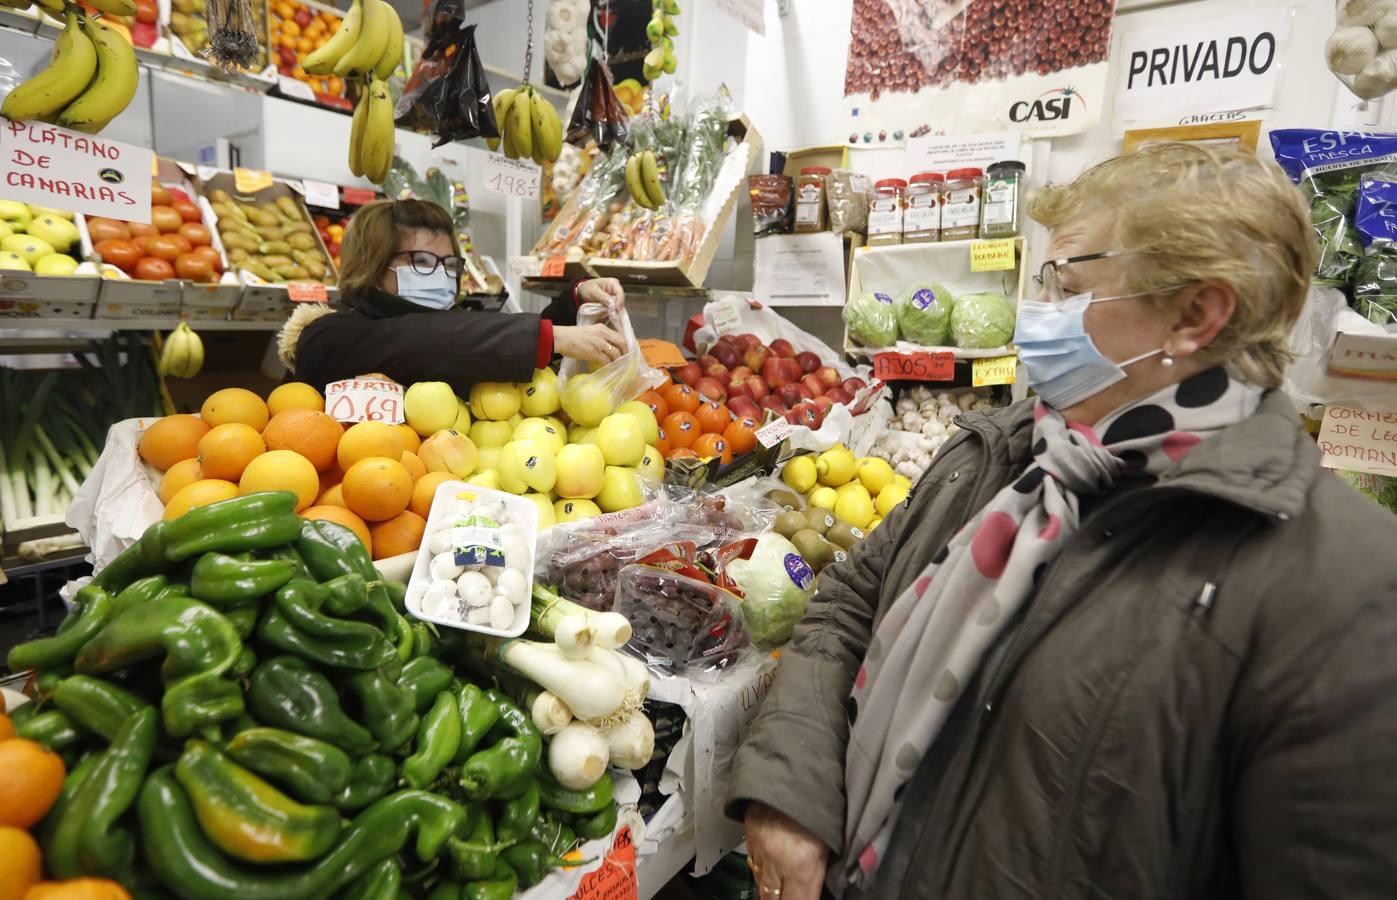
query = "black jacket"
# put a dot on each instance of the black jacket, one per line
(382, 333)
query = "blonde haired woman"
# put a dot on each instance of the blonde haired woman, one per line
(399, 281)
(1125, 640)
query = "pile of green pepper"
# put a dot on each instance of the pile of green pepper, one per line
(247, 712)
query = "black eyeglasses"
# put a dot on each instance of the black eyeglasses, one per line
(425, 262)
(1049, 277)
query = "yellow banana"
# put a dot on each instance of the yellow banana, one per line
(54, 9)
(68, 74)
(520, 126)
(376, 156)
(650, 178)
(175, 355)
(547, 129)
(633, 182)
(112, 87)
(500, 102)
(368, 50)
(393, 50)
(194, 352)
(356, 134)
(322, 61)
(15, 4)
(114, 7)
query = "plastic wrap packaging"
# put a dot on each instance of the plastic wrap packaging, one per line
(583, 219)
(771, 197)
(982, 321)
(1374, 284)
(679, 623)
(589, 397)
(598, 115)
(846, 194)
(698, 169)
(448, 93)
(924, 314)
(776, 585)
(872, 319)
(1381, 489)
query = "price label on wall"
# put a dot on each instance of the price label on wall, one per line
(511, 177)
(992, 256)
(307, 292)
(916, 366)
(994, 370)
(365, 400)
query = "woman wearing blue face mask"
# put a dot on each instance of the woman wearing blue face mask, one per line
(399, 279)
(1125, 639)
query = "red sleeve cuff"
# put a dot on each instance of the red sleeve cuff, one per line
(577, 300)
(544, 355)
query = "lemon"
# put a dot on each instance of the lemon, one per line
(854, 507)
(799, 474)
(823, 497)
(875, 473)
(835, 466)
(889, 497)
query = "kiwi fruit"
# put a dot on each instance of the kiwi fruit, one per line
(790, 522)
(840, 555)
(821, 520)
(844, 535)
(815, 550)
(785, 499)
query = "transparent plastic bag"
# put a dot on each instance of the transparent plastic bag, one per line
(776, 584)
(589, 397)
(924, 314)
(872, 319)
(679, 623)
(847, 195)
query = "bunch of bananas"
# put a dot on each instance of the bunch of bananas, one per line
(89, 80)
(367, 48)
(183, 353)
(529, 125)
(643, 178)
(661, 31)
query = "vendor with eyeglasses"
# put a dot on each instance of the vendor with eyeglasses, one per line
(399, 280)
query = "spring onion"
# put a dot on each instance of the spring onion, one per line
(578, 756)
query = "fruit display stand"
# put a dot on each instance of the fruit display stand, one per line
(29, 295)
(295, 29)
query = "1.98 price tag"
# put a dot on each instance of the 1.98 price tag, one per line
(365, 400)
(511, 177)
(916, 366)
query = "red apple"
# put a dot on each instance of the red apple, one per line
(814, 385)
(756, 357)
(718, 372)
(689, 373)
(711, 388)
(854, 385)
(748, 342)
(809, 417)
(782, 348)
(756, 387)
(742, 372)
(774, 374)
(727, 354)
(804, 392)
(824, 405)
(809, 362)
(737, 387)
(790, 394)
(706, 360)
(744, 407)
(838, 395)
(792, 416)
(829, 376)
(773, 403)
(791, 369)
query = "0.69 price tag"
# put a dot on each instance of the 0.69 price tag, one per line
(511, 177)
(917, 366)
(365, 400)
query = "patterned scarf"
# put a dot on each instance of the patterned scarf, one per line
(934, 637)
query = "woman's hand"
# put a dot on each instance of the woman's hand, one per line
(606, 291)
(589, 343)
(787, 860)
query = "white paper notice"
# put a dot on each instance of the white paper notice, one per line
(50, 166)
(513, 177)
(804, 269)
(941, 154)
(294, 88)
(748, 12)
(1359, 440)
(320, 193)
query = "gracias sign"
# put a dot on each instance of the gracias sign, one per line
(1217, 65)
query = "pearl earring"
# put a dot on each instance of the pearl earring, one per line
(1168, 360)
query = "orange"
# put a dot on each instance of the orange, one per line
(7, 728)
(341, 516)
(234, 405)
(710, 445)
(282, 470)
(332, 496)
(741, 435)
(172, 439)
(294, 395)
(308, 432)
(681, 398)
(682, 453)
(200, 493)
(425, 489)
(413, 465)
(183, 473)
(713, 417)
(377, 488)
(408, 437)
(78, 889)
(331, 477)
(400, 534)
(304, 44)
(227, 449)
(662, 444)
(366, 439)
(656, 403)
(682, 429)
(30, 779)
(21, 865)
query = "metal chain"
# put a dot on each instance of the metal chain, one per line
(529, 47)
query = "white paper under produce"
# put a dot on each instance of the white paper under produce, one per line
(117, 501)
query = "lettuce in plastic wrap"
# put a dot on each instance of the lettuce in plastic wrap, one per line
(1381, 489)
(981, 321)
(776, 584)
(872, 319)
(924, 315)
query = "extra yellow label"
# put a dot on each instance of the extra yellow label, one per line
(250, 181)
(992, 256)
(993, 370)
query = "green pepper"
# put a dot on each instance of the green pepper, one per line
(223, 580)
(504, 768)
(473, 857)
(53, 729)
(479, 714)
(296, 625)
(346, 595)
(425, 677)
(379, 883)
(531, 860)
(96, 705)
(437, 739)
(397, 595)
(93, 612)
(593, 800)
(499, 885)
(380, 609)
(23, 713)
(47, 681)
(289, 554)
(85, 839)
(72, 787)
(331, 550)
(199, 645)
(254, 522)
(446, 890)
(554, 832)
(248, 818)
(423, 638)
(372, 777)
(285, 692)
(518, 815)
(311, 770)
(598, 825)
(247, 661)
(144, 558)
(385, 707)
(190, 866)
(138, 592)
(244, 618)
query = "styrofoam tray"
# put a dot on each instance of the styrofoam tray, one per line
(444, 505)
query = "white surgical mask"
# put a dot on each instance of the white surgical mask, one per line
(1064, 365)
(434, 291)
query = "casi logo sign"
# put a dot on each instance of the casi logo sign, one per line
(1049, 106)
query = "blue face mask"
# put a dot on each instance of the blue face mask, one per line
(434, 291)
(1063, 364)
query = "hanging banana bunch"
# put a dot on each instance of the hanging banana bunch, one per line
(661, 31)
(367, 48)
(91, 76)
(183, 353)
(529, 125)
(643, 179)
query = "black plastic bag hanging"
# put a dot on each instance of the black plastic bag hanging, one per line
(598, 115)
(448, 93)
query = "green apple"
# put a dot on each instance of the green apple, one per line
(37, 211)
(527, 465)
(621, 439)
(547, 517)
(580, 469)
(486, 433)
(56, 264)
(575, 510)
(58, 233)
(645, 416)
(31, 248)
(11, 260)
(540, 429)
(620, 489)
(15, 214)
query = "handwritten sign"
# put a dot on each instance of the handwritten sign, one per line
(512, 177)
(616, 878)
(773, 433)
(365, 400)
(992, 256)
(554, 266)
(320, 193)
(306, 292)
(297, 89)
(358, 196)
(661, 354)
(250, 181)
(50, 166)
(1359, 440)
(916, 366)
(993, 370)
(725, 317)
(748, 12)
(1370, 357)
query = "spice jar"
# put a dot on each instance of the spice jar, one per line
(921, 223)
(1000, 215)
(885, 212)
(960, 209)
(810, 200)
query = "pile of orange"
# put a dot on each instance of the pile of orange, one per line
(695, 427)
(366, 477)
(295, 31)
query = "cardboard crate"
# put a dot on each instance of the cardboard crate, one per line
(25, 295)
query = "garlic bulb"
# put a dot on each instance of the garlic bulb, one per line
(1387, 31)
(1363, 12)
(1379, 77)
(1349, 50)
